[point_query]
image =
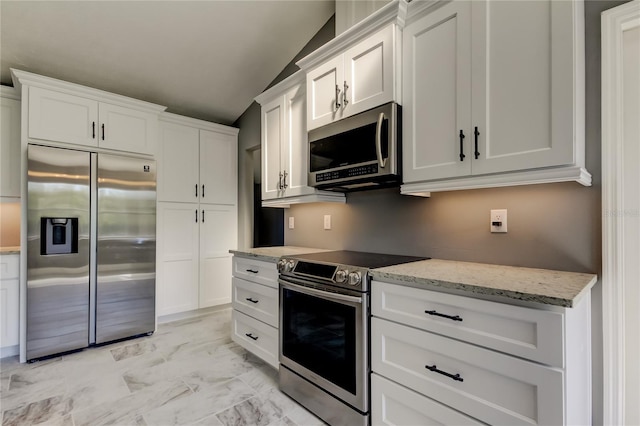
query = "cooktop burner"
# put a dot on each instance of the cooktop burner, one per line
(358, 258)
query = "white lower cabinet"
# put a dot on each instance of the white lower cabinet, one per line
(9, 303)
(392, 404)
(486, 361)
(255, 308)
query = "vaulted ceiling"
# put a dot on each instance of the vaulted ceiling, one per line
(203, 59)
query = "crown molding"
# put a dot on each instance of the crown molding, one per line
(290, 82)
(168, 117)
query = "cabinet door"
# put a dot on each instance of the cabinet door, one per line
(9, 301)
(523, 84)
(177, 165)
(218, 235)
(126, 129)
(60, 117)
(218, 168)
(177, 255)
(437, 103)
(10, 148)
(295, 150)
(273, 116)
(324, 93)
(369, 73)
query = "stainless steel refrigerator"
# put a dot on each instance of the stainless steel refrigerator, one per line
(91, 245)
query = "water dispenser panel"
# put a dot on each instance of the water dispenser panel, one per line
(58, 235)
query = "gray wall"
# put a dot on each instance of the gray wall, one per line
(249, 140)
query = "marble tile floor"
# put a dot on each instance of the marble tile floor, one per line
(188, 372)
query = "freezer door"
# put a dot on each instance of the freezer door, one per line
(57, 250)
(126, 247)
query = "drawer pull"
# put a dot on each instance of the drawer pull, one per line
(251, 300)
(251, 336)
(253, 271)
(438, 314)
(455, 377)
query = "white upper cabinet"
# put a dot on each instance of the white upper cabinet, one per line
(9, 145)
(178, 171)
(285, 150)
(71, 114)
(493, 94)
(361, 78)
(358, 70)
(127, 129)
(219, 171)
(60, 117)
(197, 161)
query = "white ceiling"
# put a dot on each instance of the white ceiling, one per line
(203, 59)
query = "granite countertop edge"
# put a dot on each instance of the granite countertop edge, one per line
(528, 295)
(272, 254)
(10, 250)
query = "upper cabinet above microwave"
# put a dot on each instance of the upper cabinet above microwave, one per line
(356, 71)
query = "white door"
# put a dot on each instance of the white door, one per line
(218, 168)
(127, 129)
(621, 212)
(523, 84)
(324, 93)
(437, 94)
(10, 148)
(178, 164)
(217, 237)
(60, 117)
(273, 125)
(296, 147)
(177, 257)
(369, 73)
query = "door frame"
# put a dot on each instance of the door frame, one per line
(614, 21)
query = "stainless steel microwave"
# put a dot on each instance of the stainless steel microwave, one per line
(358, 152)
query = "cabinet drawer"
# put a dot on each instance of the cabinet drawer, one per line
(257, 337)
(492, 387)
(9, 266)
(257, 271)
(525, 332)
(392, 404)
(256, 300)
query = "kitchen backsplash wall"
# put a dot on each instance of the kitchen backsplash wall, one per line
(9, 224)
(553, 226)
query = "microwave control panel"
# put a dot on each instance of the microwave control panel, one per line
(370, 169)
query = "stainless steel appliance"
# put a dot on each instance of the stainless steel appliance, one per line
(90, 249)
(358, 152)
(324, 331)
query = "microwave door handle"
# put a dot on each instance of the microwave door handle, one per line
(381, 161)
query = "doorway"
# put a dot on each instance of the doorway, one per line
(268, 222)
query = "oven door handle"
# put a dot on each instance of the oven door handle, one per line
(324, 294)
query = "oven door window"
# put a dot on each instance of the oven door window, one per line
(320, 335)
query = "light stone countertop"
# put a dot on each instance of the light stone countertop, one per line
(532, 285)
(10, 250)
(272, 254)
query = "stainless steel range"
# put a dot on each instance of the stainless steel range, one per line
(324, 331)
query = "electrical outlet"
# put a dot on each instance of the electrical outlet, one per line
(499, 220)
(327, 221)
(291, 223)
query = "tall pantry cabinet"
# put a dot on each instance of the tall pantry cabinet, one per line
(197, 213)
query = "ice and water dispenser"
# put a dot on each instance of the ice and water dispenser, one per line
(58, 235)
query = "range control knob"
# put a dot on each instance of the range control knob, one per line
(341, 275)
(289, 266)
(355, 278)
(281, 264)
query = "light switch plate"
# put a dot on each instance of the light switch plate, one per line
(327, 221)
(291, 222)
(499, 221)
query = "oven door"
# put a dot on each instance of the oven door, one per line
(323, 338)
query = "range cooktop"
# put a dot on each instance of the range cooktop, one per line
(358, 258)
